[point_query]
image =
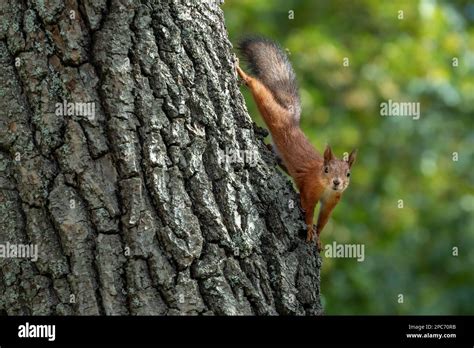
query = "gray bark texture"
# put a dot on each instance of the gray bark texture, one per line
(134, 212)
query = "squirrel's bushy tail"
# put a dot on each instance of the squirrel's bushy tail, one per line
(271, 66)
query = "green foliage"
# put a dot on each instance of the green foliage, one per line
(408, 250)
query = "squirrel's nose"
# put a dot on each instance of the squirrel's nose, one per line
(336, 182)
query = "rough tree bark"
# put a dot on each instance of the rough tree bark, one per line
(133, 210)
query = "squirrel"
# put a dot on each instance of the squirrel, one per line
(275, 91)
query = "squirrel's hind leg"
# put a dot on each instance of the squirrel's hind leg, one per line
(246, 78)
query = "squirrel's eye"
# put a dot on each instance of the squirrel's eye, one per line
(326, 169)
(348, 174)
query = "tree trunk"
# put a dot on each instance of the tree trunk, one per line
(139, 206)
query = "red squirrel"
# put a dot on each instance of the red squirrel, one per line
(275, 91)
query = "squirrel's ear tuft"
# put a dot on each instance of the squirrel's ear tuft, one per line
(352, 157)
(328, 156)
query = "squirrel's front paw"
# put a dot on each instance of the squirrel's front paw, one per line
(318, 245)
(309, 235)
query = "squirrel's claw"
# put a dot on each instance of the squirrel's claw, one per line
(237, 66)
(318, 245)
(309, 235)
(245, 78)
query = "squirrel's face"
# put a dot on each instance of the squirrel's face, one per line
(336, 172)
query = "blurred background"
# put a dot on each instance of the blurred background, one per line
(427, 163)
